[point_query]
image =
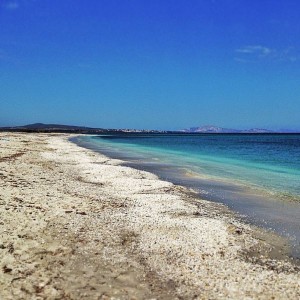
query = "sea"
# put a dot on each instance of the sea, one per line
(255, 175)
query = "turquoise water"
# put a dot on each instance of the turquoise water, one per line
(271, 162)
(256, 175)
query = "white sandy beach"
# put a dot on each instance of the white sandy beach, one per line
(78, 225)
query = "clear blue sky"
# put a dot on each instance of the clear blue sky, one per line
(157, 64)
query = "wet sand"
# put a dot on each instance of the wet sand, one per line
(78, 225)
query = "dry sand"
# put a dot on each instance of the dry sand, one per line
(75, 224)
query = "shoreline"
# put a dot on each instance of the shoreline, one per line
(106, 230)
(280, 245)
(251, 205)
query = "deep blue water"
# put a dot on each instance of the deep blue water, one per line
(257, 175)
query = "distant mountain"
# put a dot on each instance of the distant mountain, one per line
(55, 126)
(40, 127)
(216, 129)
(210, 129)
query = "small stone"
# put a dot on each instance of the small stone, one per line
(81, 213)
(6, 269)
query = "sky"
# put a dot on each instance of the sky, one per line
(156, 64)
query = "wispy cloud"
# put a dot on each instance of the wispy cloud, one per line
(252, 53)
(289, 54)
(11, 5)
(256, 50)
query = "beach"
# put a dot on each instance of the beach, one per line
(76, 224)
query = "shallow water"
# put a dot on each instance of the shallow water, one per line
(255, 175)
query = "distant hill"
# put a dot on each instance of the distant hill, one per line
(56, 126)
(40, 127)
(210, 129)
(216, 129)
